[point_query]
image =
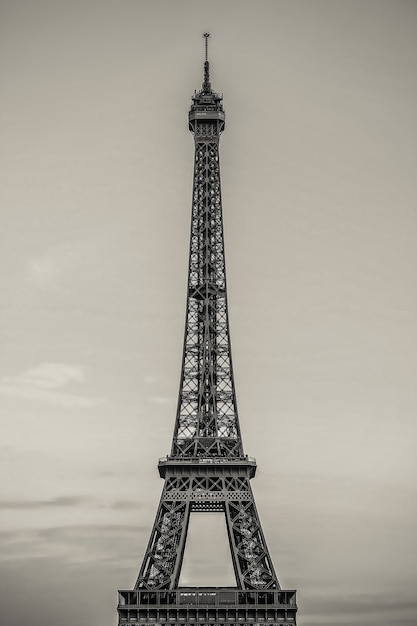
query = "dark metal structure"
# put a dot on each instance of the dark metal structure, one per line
(207, 469)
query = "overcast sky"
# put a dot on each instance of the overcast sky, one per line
(319, 195)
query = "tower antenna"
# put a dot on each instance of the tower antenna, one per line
(206, 82)
(206, 36)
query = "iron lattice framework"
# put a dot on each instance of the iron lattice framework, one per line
(207, 469)
(207, 422)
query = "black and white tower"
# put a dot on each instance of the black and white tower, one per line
(207, 469)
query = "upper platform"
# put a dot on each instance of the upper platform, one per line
(177, 466)
(206, 103)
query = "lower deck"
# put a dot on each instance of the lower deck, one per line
(215, 606)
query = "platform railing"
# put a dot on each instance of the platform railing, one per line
(206, 597)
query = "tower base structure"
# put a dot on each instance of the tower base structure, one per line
(207, 606)
(207, 485)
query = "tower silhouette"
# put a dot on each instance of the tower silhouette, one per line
(207, 469)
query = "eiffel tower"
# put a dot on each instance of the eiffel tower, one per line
(207, 469)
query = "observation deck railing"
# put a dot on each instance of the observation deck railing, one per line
(207, 597)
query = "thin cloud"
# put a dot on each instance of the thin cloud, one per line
(42, 273)
(49, 586)
(383, 607)
(48, 376)
(125, 505)
(45, 382)
(160, 400)
(80, 542)
(62, 501)
(64, 400)
(88, 532)
(47, 271)
(68, 501)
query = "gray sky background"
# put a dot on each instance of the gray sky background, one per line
(319, 195)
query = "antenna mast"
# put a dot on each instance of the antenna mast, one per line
(206, 83)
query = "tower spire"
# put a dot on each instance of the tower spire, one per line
(206, 82)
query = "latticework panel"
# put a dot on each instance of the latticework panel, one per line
(254, 563)
(207, 421)
(162, 552)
